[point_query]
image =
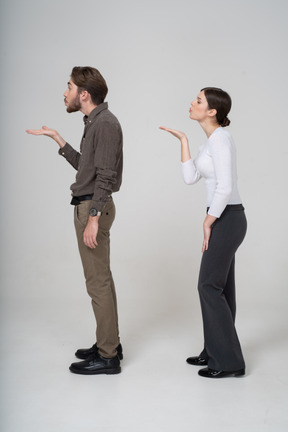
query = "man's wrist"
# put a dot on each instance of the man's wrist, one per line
(94, 212)
(93, 219)
(60, 141)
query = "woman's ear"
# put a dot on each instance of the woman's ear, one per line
(212, 112)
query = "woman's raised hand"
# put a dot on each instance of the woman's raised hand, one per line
(178, 134)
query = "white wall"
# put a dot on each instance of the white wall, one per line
(155, 56)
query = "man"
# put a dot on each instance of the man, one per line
(99, 173)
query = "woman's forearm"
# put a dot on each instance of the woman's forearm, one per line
(185, 151)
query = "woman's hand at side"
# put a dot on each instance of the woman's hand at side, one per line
(209, 220)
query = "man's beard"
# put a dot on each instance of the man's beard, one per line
(74, 105)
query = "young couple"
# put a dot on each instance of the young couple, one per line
(99, 174)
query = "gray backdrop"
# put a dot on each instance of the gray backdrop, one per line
(155, 56)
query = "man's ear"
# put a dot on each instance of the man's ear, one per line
(84, 95)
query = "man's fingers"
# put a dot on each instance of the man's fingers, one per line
(90, 242)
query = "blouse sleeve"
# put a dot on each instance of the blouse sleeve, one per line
(190, 173)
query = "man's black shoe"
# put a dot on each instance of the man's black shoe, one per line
(211, 373)
(197, 361)
(84, 353)
(96, 364)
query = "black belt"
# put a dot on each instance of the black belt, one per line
(230, 207)
(76, 200)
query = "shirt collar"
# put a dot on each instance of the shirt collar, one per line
(95, 112)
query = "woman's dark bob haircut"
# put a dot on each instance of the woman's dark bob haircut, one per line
(219, 100)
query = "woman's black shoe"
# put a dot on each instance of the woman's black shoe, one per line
(197, 361)
(211, 373)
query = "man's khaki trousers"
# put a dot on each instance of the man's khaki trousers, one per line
(99, 281)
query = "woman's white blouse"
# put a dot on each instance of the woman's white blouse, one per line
(216, 162)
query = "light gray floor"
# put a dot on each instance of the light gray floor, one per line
(156, 391)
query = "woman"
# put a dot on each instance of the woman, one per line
(224, 230)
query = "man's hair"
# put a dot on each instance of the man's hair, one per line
(89, 79)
